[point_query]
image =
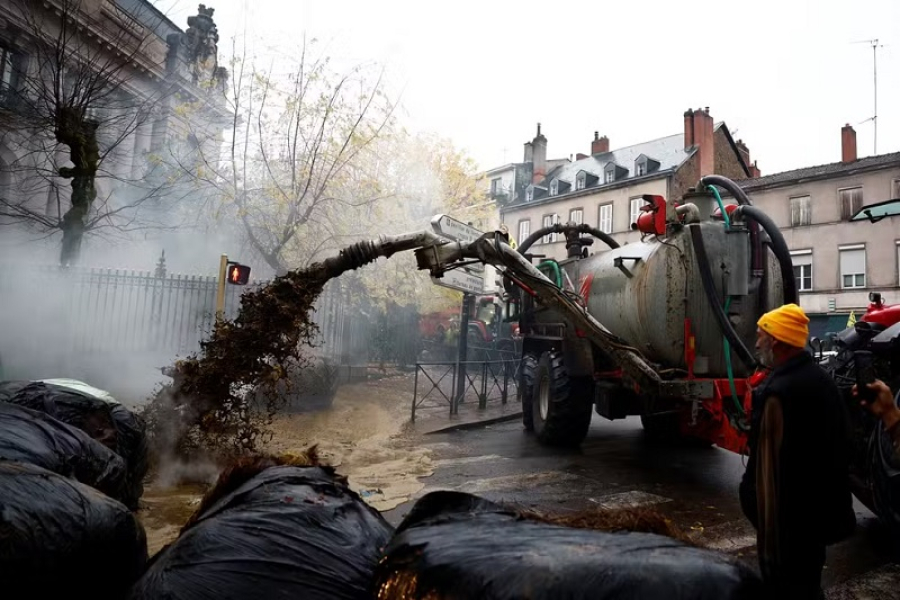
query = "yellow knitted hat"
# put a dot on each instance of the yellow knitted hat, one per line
(788, 324)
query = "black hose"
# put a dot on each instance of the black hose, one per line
(779, 249)
(715, 302)
(560, 228)
(723, 182)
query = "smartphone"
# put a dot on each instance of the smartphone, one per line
(864, 364)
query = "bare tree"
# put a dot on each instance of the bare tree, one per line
(291, 171)
(81, 88)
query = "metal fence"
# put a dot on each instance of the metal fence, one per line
(89, 310)
(436, 384)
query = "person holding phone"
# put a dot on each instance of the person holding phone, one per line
(882, 403)
(796, 488)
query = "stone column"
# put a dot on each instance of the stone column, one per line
(143, 136)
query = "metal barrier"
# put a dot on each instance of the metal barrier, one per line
(487, 379)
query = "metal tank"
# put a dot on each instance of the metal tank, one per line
(646, 292)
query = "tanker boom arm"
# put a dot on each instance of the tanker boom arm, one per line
(493, 251)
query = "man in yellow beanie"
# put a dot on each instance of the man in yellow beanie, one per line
(796, 489)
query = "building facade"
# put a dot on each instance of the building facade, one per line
(155, 69)
(836, 262)
(605, 188)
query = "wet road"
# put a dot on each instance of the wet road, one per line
(617, 466)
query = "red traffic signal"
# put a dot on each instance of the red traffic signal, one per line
(237, 274)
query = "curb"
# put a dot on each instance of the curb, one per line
(476, 424)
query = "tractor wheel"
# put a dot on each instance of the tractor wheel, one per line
(561, 408)
(525, 392)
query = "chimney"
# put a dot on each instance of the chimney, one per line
(529, 153)
(539, 144)
(581, 156)
(688, 129)
(698, 133)
(848, 144)
(743, 151)
(754, 171)
(600, 144)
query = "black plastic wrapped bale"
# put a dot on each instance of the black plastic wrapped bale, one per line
(288, 532)
(89, 414)
(36, 438)
(110, 423)
(62, 539)
(455, 546)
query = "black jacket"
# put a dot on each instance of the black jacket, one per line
(813, 484)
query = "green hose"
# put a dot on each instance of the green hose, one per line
(715, 193)
(556, 271)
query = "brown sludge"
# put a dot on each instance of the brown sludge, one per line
(641, 520)
(223, 398)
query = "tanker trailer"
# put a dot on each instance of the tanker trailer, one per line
(684, 301)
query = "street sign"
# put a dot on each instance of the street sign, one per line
(463, 281)
(455, 229)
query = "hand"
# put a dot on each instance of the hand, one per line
(883, 405)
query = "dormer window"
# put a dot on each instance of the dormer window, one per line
(559, 186)
(613, 172)
(643, 165)
(584, 180)
(529, 193)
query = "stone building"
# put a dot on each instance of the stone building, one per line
(156, 69)
(836, 262)
(604, 188)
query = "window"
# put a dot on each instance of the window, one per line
(853, 266)
(635, 210)
(496, 186)
(580, 181)
(529, 193)
(609, 176)
(800, 211)
(802, 260)
(576, 215)
(897, 243)
(851, 200)
(640, 169)
(6, 74)
(554, 187)
(895, 189)
(547, 221)
(524, 230)
(604, 218)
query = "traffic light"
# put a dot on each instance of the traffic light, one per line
(237, 274)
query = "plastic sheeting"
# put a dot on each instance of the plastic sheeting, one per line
(95, 412)
(288, 532)
(454, 545)
(62, 539)
(36, 438)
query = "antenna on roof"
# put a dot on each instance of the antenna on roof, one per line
(874, 118)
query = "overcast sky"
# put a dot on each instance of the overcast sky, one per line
(784, 75)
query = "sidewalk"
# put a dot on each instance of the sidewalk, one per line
(438, 419)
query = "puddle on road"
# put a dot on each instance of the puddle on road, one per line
(362, 435)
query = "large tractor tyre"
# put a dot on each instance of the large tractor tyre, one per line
(525, 391)
(562, 407)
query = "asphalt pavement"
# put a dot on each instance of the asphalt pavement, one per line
(617, 466)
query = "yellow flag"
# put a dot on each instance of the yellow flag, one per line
(851, 321)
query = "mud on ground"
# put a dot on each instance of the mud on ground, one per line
(364, 434)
